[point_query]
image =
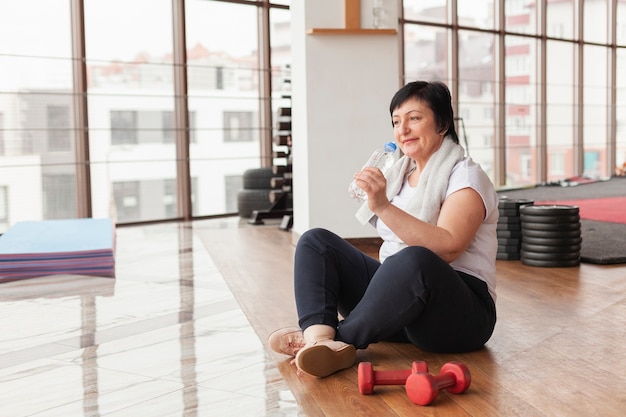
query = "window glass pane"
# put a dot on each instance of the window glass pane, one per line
(595, 110)
(521, 110)
(36, 137)
(621, 23)
(429, 11)
(280, 38)
(560, 19)
(560, 110)
(224, 95)
(130, 88)
(477, 13)
(4, 208)
(620, 109)
(476, 121)
(520, 16)
(426, 53)
(596, 21)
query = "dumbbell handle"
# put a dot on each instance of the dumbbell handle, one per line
(391, 377)
(368, 378)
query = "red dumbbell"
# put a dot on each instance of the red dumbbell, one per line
(423, 388)
(368, 378)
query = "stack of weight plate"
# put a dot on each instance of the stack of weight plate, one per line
(509, 228)
(550, 235)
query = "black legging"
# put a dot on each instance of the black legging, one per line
(414, 296)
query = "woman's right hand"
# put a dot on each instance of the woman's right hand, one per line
(373, 182)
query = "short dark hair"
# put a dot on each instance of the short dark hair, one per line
(437, 96)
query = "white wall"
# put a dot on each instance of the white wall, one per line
(341, 85)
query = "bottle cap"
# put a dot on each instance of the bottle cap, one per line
(390, 147)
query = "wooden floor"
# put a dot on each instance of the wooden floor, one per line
(182, 330)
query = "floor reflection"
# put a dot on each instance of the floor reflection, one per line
(164, 338)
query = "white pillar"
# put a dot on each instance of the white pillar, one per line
(342, 84)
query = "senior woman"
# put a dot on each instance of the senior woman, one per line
(433, 284)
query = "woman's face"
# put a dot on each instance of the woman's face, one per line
(415, 130)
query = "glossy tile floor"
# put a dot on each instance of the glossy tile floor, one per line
(164, 338)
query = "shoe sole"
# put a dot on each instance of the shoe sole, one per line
(321, 361)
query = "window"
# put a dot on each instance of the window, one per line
(123, 127)
(126, 195)
(59, 128)
(169, 198)
(557, 164)
(4, 204)
(232, 185)
(526, 165)
(59, 196)
(2, 150)
(131, 97)
(238, 126)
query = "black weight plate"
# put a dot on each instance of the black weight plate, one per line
(550, 234)
(549, 256)
(505, 202)
(508, 256)
(505, 234)
(509, 219)
(574, 218)
(508, 248)
(553, 264)
(508, 212)
(549, 210)
(564, 227)
(550, 249)
(552, 241)
(509, 227)
(510, 241)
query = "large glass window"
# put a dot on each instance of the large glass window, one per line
(130, 102)
(560, 90)
(560, 16)
(620, 110)
(130, 85)
(520, 17)
(477, 13)
(35, 98)
(620, 30)
(596, 21)
(426, 52)
(595, 110)
(430, 11)
(223, 68)
(546, 97)
(521, 110)
(476, 97)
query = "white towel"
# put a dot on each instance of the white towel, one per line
(432, 185)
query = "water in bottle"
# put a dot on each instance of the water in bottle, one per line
(381, 159)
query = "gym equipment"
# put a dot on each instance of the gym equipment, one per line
(556, 224)
(423, 388)
(368, 378)
(509, 227)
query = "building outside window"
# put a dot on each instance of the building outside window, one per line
(59, 133)
(123, 127)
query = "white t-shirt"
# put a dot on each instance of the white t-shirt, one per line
(478, 259)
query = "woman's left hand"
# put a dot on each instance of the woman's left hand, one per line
(373, 182)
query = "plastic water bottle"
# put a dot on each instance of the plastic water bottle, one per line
(382, 159)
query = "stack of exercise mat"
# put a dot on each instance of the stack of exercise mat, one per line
(75, 246)
(551, 235)
(538, 235)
